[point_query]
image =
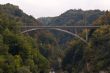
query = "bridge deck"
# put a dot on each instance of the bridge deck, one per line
(60, 26)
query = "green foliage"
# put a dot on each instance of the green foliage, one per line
(17, 51)
(94, 56)
(73, 17)
(23, 70)
(74, 59)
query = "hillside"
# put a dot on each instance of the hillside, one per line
(13, 11)
(44, 41)
(93, 57)
(18, 52)
(73, 17)
(70, 18)
(42, 51)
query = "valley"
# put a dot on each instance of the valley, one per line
(54, 51)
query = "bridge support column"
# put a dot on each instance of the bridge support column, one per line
(86, 34)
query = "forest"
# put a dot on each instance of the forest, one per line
(42, 51)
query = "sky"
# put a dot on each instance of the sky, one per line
(51, 8)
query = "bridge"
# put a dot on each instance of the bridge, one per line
(62, 29)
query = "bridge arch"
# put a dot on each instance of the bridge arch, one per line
(58, 29)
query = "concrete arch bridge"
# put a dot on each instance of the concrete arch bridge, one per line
(62, 29)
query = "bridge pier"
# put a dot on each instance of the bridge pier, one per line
(87, 35)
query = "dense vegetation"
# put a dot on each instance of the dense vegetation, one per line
(18, 53)
(73, 17)
(38, 53)
(18, 15)
(93, 57)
